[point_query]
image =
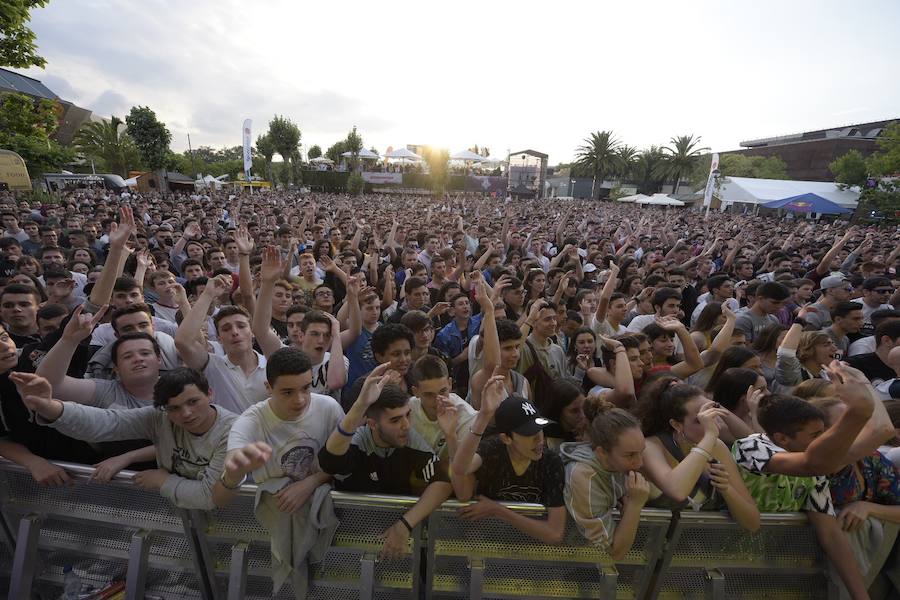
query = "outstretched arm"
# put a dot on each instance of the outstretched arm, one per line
(56, 362)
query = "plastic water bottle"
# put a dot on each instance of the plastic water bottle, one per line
(71, 584)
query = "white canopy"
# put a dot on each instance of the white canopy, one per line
(468, 155)
(661, 200)
(748, 190)
(403, 154)
(323, 160)
(633, 198)
(362, 154)
(131, 182)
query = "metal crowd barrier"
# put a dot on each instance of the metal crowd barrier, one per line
(115, 530)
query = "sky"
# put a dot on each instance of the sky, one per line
(502, 74)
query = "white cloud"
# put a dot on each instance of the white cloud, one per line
(505, 75)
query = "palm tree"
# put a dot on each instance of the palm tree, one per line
(683, 157)
(266, 148)
(627, 154)
(108, 143)
(599, 156)
(650, 170)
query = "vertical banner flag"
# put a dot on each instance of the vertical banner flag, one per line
(248, 157)
(711, 182)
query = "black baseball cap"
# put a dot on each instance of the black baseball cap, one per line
(517, 415)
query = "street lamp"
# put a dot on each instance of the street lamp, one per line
(572, 188)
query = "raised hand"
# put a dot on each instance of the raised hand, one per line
(80, 326)
(246, 460)
(708, 416)
(493, 393)
(120, 232)
(243, 240)
(447, 414)
(272, 267)
(218, 285)
(669, 323)
(192, 231)
(375, 382)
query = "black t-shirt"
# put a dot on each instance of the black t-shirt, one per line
(541, 483)
(871, 366)
(280, 328)
(17, 425)
(23, 340)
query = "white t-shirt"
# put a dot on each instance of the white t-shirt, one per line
(231, 388)
(166, 313)
(295, 444)
(320, 377)
(104, 333)
(431, 431)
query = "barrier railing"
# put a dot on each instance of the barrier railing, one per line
(115, 530)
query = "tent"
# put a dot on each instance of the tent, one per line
(633, 198)
(403, 154)
(323, 160)
(660, 200)
(748, 190)
(808, 203)
(468, 156)
(365, 154)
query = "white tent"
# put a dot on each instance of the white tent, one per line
(403, 154)
(131, 182)
(633, 198)
(468, 156)
(747, 190)
(362, 154)
(322, 160)
(661, 200)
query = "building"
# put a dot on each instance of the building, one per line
(71, 117)
(527, 174)
(808, 154)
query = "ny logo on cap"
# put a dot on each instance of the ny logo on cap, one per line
(528, 408)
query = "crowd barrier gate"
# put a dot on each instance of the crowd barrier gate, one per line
(116, 530)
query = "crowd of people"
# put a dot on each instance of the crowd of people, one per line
(588, 357)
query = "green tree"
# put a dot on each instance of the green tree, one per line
(355, 184)
(850, 169)
(649, 170)
(884, 165)
(25, 128)
(599, 156)
(336, 150)
(739, 165)
(682, 157)
(266, 149)
(17, 47)
(627, 157)
(108, 145)
(354, 145)
(150, 135)
(285, 136)
(314, 152)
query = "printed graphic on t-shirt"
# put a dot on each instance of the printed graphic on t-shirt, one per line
(298, 458)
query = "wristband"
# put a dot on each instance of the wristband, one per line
(475, 433)
(231, 487)
(702, 452)
(341, 431)
(403, 520)
(799, 321)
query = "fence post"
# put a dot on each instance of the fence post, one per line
(136, 578)
(237, 575)
(367, 576)
(476, 578)
(25, 557)
(195, 525)
(715, 585)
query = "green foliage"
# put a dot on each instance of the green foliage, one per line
(649, 170)
(355, 183)
(266, 149)
(335, 151)
(599, 156)
(627, 157)
(739, 165)
(682, 157)
(108, 145)
(17, 47)
(285, 137)
(850, 169)
(353, 144)
(314, 152)
(150, 135)
(884, 166)
(25, 128)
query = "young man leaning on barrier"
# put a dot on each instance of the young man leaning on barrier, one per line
(188, 432)
(375, 450)
(512, 466)
(785, 469)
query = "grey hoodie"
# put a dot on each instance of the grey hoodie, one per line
(591, 493)
(194, 461)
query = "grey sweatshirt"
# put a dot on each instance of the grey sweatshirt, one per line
(194, 461)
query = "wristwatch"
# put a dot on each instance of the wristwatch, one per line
(230, 487)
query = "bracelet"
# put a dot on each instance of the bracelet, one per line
(702, 452)
(475, 433)
(243, 254)
(231, 487)
(403, 520)
(530, 326)
(341, 431)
